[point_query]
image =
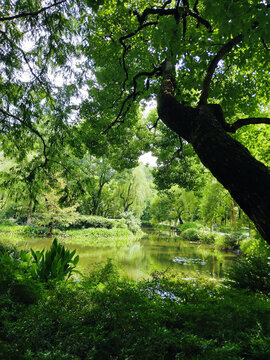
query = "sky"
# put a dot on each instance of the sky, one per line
(149, 159)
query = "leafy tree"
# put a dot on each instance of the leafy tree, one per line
(204, 61)
(174, 204)
(132, 190)
(50, 213)
(214, 204)
(85, 179)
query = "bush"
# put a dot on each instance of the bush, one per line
(191, 234)
(252, 273)
(189, 225)
(257, 246)
(207, 237)
(133, 223)
(26, 291)
(35, 230)
(227, 241)
(126, 320)
(84, 221)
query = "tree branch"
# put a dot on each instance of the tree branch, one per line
(31, 14)
(32, 129)
(248, 121)
(126, 47)
(132, 95)
(213, 65)
(176, 12)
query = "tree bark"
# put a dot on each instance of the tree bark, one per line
(247, 180)
(29, 213)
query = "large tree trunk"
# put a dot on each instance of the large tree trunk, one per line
(247, 180)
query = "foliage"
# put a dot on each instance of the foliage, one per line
(189, 225)
(84, 221)
(104, 317)
(100, 237)
(227, 241)
(52, 215)
(174, 204)
(254, 246)
(133, 223)
(57, 263)
(65, 106)
(251, 273)
(191, 234)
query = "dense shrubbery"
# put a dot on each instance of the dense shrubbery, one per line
(222, 241)
(189, 225)
(104, 317)
(127, 225)
(191, 234)
(132, 222)
(84, 221)
(252, 273)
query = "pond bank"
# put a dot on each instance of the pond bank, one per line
(138, 256)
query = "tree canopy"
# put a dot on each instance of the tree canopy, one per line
(75, 74)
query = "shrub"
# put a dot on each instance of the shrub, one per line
(191, 234)
(133, 223)
(207, 237)
(257, 246)
(35, 230)
(189, 225)
(26, 291)
(227, 241)
(84, 221)
(252, 273)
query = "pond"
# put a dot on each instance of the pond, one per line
(154, 252)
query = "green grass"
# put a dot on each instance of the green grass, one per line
(99, 237)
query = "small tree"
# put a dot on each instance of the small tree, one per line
(51, 214)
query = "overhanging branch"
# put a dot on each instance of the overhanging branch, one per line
(126, 104)
(244, 122)
(213, 65)
(32, 129)
(31, 14)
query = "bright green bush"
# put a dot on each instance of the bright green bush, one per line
(253, 247)
(85, 222)
(35, 230)
(207, 237)
(189, 225)
(227, 241)
(191, 234)
(133, 223)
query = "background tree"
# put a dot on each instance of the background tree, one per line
(133, 189)
(174, 204)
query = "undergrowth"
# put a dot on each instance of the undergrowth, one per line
(104, 316)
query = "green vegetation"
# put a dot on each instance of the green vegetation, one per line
(99, 237)
(79, 82)
(104, 316)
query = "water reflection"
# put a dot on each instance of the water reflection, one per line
(153, 252)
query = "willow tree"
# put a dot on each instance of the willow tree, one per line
(207, 64)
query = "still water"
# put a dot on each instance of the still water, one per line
(154, 252)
